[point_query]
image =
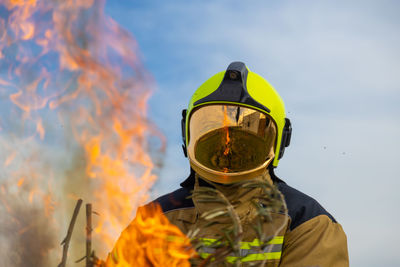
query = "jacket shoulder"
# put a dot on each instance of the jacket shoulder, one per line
(301, 207)
(177, 199)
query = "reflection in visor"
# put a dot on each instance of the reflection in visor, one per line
(230, 139)
(243, 151)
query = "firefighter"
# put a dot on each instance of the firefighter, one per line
(234, 131)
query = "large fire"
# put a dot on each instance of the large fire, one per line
(150, 240)
(73, 124)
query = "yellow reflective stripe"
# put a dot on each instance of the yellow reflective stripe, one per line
(256, 242)
(251, 257)
(245, 245)
(208, 241)
(248, 247)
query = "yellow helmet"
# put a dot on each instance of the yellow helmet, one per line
(235, 125)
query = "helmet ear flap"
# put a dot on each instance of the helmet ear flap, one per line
(286, 136)
(183, 128)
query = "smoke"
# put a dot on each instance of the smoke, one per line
(28, 228)
(28, 236)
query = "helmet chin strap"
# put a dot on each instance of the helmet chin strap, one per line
(183, 129)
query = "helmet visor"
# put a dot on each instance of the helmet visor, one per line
(230, 139)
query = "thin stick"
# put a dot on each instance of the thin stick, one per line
(88, 234)
(66, 240)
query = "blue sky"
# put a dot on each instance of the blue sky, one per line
(336, 64)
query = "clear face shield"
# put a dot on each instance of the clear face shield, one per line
(229, 143)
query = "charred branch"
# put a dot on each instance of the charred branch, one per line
(65, 242)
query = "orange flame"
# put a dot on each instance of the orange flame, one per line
(227, 138)
(10, 159)
(21, 182)
(226, 123)
(79, 92)
(151, 240)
